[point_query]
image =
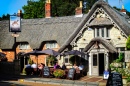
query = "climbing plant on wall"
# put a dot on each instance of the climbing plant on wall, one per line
(128, 43)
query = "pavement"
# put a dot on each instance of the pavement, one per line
(83, 81)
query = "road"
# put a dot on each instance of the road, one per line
(20, 83)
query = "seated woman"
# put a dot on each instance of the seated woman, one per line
(75, 66)
(77, 72)
(40, 67)
(56, 66)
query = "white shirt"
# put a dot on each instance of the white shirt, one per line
(81, 67)
(34, 66)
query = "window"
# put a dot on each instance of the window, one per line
(101, 32)
(23, 46)
(66, 59)
(51, 45)
(95, 60)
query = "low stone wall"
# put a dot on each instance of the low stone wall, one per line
(7, 68)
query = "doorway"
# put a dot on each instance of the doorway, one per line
(101, 63)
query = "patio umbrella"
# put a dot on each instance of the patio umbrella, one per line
(74, 52)
(36, 53)
(51, 52)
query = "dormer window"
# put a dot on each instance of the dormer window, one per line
(101, 32)
(23, 46)
(51, 45)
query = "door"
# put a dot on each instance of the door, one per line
(101, 63)
(95, 65)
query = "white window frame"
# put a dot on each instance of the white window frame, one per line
(51, 45)
(104, 30)
(67, 57)
(23, 46)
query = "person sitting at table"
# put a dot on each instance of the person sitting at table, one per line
(40, 67)
(77, 71)
(56, 66)
(75, 66)
(34, 67)
(63, 66)
(81, 67)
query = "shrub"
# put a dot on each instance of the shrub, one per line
(59, 73)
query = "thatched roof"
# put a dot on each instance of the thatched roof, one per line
(100, 22)
(35, 31)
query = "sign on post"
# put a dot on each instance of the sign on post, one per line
(15, 23)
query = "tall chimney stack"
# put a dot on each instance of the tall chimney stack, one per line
(48, 9)
(78, 10)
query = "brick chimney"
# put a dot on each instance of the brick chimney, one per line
(123, 10)
(19, 14)
(78, 10)
(48, 9)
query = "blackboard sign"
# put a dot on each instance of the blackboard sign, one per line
(46, 71)
(71, 73)
(115, 79)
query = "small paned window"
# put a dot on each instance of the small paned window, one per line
(95, 60)
(66, 59)
(101, 32)
(23, 46)
(51, 45)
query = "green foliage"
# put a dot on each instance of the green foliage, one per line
(34, 9)
(30, 61)
(128, 43)
(59, 73)
(58, 8)
(51, 60)
(120, 57)
(23, 72)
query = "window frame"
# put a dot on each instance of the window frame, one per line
(23, 46)
(102, 32)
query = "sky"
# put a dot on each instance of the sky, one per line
(12, 6)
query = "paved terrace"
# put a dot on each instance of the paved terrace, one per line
(84, 81)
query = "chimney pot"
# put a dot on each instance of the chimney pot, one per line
(48, 9)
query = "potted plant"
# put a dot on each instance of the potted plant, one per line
(58, 73)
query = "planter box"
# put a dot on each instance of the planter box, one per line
(124, 80)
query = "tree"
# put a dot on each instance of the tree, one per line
(34, 9)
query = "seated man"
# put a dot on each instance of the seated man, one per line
(81, 67)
